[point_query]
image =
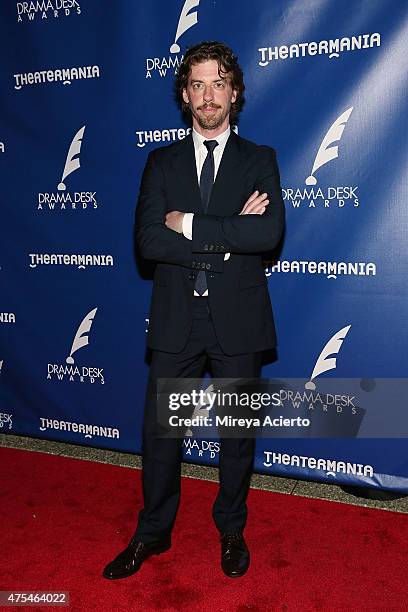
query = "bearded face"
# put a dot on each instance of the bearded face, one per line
(209, 97)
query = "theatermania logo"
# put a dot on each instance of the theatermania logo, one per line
(161, 66)
(46, 9)
(62, 199)
(7, 317)
(70, 370)
(326, 197)
(329, 467)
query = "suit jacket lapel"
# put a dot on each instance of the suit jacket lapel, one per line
(228, 172)
(186, 170)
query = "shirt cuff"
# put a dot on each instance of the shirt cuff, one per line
(188, 225)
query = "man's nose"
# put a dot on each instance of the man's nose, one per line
(208, 93)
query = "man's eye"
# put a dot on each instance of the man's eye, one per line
(220, 85)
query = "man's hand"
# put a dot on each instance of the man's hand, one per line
(174, 221)
(256, 204)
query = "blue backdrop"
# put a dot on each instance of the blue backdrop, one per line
(86, 94)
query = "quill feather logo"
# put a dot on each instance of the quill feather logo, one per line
(325, 362)
(186, 21)
(81, 336)
(327, 153)
(72, 162)
(198, 407)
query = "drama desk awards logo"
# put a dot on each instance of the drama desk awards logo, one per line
(63, 199)
(329, 196)
(46, 9)
(326, 361)
(334, 397)
(193, 444)
(70, 371)
(161, 65)
(6, 419)
(334, 408)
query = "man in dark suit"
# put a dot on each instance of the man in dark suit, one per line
(209, 206)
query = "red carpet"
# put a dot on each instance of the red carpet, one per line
(63, 519)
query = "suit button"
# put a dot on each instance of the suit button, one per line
(208, 266)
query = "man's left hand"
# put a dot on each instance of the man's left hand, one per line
(174, 221)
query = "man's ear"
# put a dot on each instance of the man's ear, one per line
(234, 96)
(185, 97)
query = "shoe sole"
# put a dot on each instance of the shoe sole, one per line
(157, 551)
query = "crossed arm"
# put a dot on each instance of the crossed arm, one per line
(257, 228)
(154, 240)
(255, 205)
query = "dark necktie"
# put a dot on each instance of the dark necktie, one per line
(206, 184)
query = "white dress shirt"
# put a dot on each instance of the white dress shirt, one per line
(201, 151)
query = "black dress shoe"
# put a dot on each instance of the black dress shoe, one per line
(129, 561)
(234, 554)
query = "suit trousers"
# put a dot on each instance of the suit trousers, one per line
(161, 475)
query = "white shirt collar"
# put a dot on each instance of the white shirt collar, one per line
(198, 139)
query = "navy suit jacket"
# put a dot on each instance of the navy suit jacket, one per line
(237, 288)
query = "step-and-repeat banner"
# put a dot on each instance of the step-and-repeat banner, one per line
(86, 93)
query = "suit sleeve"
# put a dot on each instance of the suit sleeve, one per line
(246, 233)
(155, 241)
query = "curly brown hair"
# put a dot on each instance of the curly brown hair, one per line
(227, 64)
